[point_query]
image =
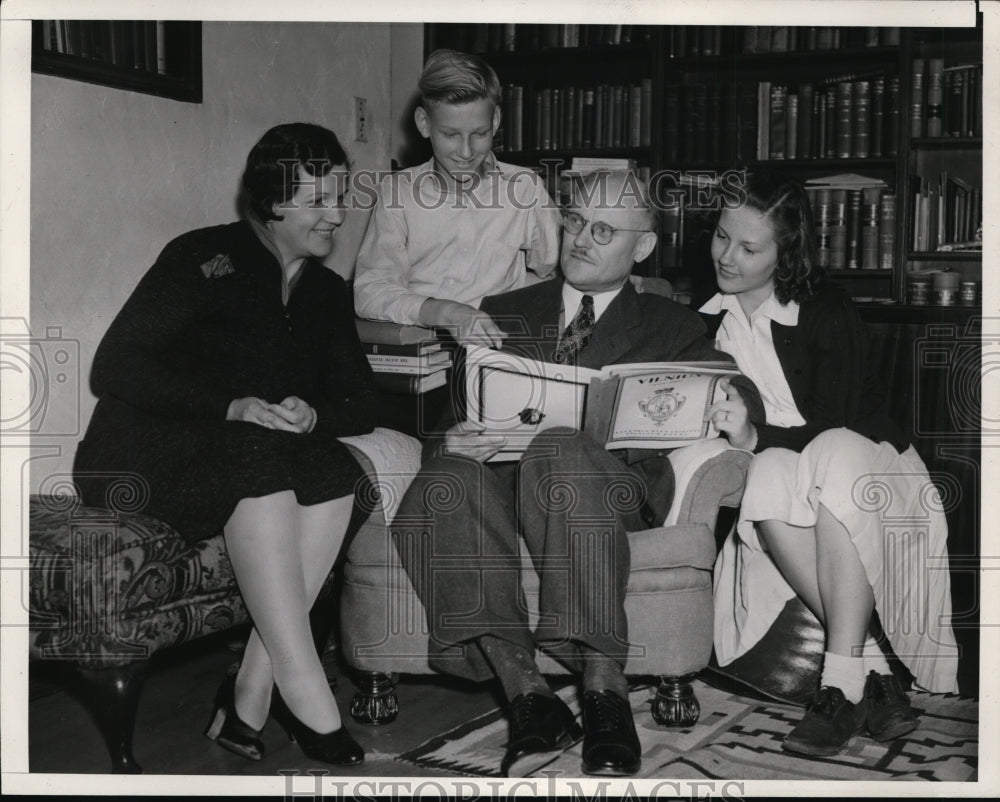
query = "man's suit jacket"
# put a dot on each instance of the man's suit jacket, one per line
(634, 328)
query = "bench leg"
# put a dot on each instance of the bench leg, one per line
(675, 704)
(375, 701)
(113, 694)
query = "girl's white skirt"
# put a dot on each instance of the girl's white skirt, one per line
(895, 518)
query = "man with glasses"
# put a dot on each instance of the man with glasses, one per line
(458, 525)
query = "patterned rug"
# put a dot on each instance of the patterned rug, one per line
(739, 738)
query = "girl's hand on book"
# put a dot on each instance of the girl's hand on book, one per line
(468, 439)
(730, 417)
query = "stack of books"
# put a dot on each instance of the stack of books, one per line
(855, 220)
(947, 213)
(407, 360)
(946, 101)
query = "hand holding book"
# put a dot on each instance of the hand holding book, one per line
(730, 416)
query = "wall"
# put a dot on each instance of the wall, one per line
(405, 143)
(115, 175)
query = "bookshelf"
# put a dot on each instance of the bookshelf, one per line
(160, 58)
(698, 100)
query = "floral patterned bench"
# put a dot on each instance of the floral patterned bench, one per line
(109, 588)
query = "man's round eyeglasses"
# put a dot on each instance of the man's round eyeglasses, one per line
(601, 232)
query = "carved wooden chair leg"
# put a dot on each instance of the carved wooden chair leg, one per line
(675, 704)
(375, 701)
(113, 694)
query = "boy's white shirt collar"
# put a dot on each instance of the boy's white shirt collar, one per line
(572, 298)
(786, 315)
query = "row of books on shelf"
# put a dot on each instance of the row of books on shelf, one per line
(846, 119)
(137, 44)
(947, 214)
(764, 120)
(582, 117)
(509, 37)
(790, 38)
(678, 40)
(855, 223)
(946, 101)
(405, 360)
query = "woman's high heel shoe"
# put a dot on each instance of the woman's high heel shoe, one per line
(228, 730)
(337, 748)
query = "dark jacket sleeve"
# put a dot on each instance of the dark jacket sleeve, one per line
(130, 364)
(351, 402)
(834, 341)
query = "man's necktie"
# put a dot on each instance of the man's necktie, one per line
(577, 333)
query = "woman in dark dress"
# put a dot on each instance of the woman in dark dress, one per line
(223, 385)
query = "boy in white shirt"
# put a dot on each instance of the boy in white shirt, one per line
(462, 226)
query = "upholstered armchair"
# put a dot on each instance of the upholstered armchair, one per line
(669, 599)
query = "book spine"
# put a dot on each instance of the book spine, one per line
(792, 127)
(831, 124)
(892, 119)
(763, 119)
(887, 232)
(161, 47)
(508, 39)
(869, 229)
(670, 235)
(806, 117)
(536, 139)
(556, 118)
(935, 89)
(966, 97)
(671, 125)
(410, 370)
(617, 104)
(860, 132)
(635, 116)
(699, 120)
(854, 229)
(877, 114)
(578, 121)
(746, 134)
(646, 113)
(917, 98)
(427, 362)
(411, 350)
(838, 229)
(546, 138)
(845, 120)
(821, 213)
(776, 137)
(598, 135)
(956, 79)
(587, 120)
(609, 116)
(517, 118)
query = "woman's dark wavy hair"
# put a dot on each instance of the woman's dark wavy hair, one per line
(785, 204)
(271, 176)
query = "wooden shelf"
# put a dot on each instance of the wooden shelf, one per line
(567, 154)
(860, 273)
(944, 256)
(945, 142)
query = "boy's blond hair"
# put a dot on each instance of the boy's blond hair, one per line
(453, 77)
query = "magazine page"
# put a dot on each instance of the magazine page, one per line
(519, 397)
(665, 409)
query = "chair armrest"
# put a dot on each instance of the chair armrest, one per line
(391, 459)
(708, 475)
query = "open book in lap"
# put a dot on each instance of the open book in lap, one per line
(644, 405)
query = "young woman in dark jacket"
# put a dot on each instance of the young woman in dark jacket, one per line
(831, 471)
